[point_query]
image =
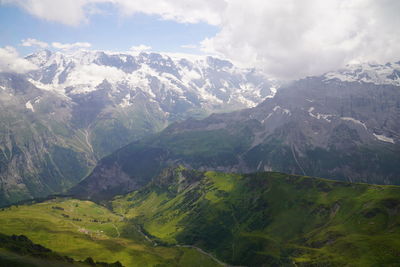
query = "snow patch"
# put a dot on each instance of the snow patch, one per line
(283, 110)
(28, 105)
(273, 92)
(247, 102)
(368, 73)
(266, 118)
(206, 95)
(125, 101)
(354, 121)
(189, 57)
(48, 87)
(319, 116)
(189, 75)
(384, 138)
(85, 72)
(92, 75)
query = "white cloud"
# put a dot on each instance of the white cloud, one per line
(291, 38)
(94, 74)
(286, 38)
(140, 48)
(74, 12)
(10, 61)
(66, 12)
(34, 42)
(185, 11)
(72, 46)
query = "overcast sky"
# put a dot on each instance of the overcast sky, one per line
(286, 38)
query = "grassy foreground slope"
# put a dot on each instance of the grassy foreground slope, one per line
(81, 229)
(20, 251)
(270, 218)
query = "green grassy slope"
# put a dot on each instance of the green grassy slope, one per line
(221, 143)
(270, 218)
(81, 229)
(142, 160)
(20, 251)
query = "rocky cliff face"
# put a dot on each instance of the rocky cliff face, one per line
(40, 152)
(319, 126)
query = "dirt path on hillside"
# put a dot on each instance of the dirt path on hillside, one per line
(203, 252)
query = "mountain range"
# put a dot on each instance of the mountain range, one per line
(177, 160)
(342, 125)
(60, 119)
(81, 112)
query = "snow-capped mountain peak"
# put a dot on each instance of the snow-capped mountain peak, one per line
(195, 81)
(388, 73)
